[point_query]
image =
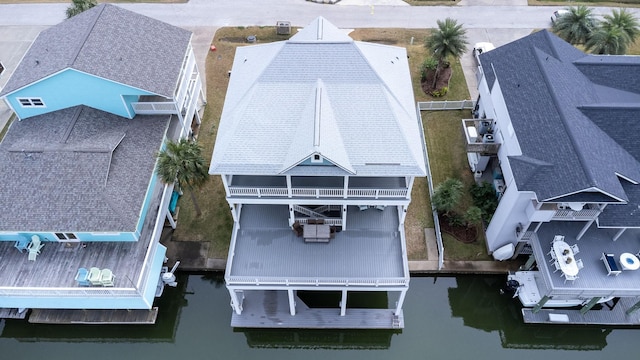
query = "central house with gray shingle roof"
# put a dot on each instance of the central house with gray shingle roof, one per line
(96, 97)
(318, 148)
(567, 164)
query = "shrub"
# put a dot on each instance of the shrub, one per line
(447, 195)
(484, 197)
(440, 92)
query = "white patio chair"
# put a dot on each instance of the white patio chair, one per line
(579, 264)
(556, 265)
(575, 249)
(553, 255)
(94, 276)
(569, 277)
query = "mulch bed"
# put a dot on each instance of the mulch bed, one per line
(461, 233)
(443, 80)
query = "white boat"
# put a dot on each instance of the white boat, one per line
(524, 286)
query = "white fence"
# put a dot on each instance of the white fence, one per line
(446, 105)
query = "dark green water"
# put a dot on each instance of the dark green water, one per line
(445, 318)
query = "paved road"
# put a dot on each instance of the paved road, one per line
(511, 14)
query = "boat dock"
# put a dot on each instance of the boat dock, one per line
(111, 317)
(616, 316)
(270, 309)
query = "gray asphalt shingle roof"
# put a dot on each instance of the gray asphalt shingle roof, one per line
(319, 93)
(109, 42)
(77, 170)
(575, 118)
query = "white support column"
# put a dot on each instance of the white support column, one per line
(410, 186)
(403, 215)
(235, 301)
(225, 183)
(346, 187)
(586, 227)
(289, 189)
(344, 217)
(618, 234)
(292, 215)
(234, 213)
(171, 221)
(400, 302)
(343, 303)
(292, 302)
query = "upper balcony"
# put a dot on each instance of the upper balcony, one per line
(561, 211)
(318, 187)
(479, 136)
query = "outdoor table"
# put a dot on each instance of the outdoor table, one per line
(629, 261)
(565, 258)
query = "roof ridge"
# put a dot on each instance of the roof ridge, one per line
(538, 53)
(88, 32)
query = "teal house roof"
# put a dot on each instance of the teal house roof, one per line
(108, 42)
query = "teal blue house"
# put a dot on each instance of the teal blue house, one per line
(96, 97)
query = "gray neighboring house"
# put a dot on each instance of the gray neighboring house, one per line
(96, 97)
(565, 162)
(318, 148)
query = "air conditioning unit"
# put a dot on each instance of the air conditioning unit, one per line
(485, 127)
(488, 138)
(283, 27)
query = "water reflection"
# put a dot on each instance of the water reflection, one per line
(477, 301)
(164, 330)
(445, 318)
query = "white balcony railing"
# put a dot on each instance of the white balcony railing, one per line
(317, 193)
(568, 214)
(263, 281)
(154, 108)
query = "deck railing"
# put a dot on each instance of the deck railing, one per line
(316, 193)
(266, 281)
(568, 214)
(154, 108)
(69, 292)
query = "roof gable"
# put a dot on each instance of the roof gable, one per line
(109, 42)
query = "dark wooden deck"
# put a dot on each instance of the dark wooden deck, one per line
(129, 317)
(605, 316)
(270, 309)
(12, 314)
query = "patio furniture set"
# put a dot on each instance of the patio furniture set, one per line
(95, 277)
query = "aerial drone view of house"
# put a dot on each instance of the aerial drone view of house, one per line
(95, 98)
(555, 132)
(318, 147)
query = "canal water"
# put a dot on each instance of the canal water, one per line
(445, 318)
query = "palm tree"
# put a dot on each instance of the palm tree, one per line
(607, 40)
(576, 26)
(78, 6)
(449, 40)
(625, 21)
(447, 195)
(182, 163)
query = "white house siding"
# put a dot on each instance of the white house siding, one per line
(511, 212)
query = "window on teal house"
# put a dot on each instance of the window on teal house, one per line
(31, 102)
(66, 236)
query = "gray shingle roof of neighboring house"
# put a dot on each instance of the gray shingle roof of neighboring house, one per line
(565, 116)
(77, 170)
(109, 42)
(319, 93)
